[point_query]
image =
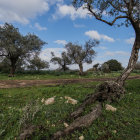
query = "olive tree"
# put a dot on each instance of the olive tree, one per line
(105, 68)
(129, 10)
(62, 61)
(110, 91)
(15, 46)
(5, 65)
(81, 54)
(114, 65)
(37, 64)
(96, 67)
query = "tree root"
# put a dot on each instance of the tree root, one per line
(89, 100)
(26, 133)
(80, 122)
(108, 91)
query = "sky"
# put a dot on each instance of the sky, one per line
(57, 23)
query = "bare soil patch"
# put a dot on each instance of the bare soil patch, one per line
(29, 83)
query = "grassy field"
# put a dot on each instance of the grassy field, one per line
(21, 107)
(60, 75)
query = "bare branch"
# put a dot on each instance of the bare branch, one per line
(98, 18)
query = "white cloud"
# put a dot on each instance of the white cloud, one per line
(63, 42)
(95, 35)
(107, 38)
(46, 55)
(69, 10)
(39, 27)
(21, 10)
(130, 41)
(64, 10)
(117, 53)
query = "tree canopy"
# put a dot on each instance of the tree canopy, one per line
(114, 65)
(15, 46)
(79, 54)
(62, 61)
(117, 9)
(37, 64)
(111, 11)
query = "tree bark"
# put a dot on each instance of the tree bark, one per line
(107, 91)
(80, 122)
(13, 68)
(81, 69)
(132, 61)
(64, 67)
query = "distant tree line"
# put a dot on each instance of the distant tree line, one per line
(20, 53)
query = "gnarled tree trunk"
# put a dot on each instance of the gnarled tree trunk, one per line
(13, 67)
(107, 91)
(81, 69)
(133, 58)
(12, 71)
(64, 67)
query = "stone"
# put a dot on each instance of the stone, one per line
(42, 100)
(49, 101)
(81, 138)
(70, 100)
(114, 131)
(66, 125)
(110, 108)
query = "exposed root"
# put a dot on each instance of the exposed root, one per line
(89, 100)
(30, 130)
(26, 133)
(108, 91)
(80, 122)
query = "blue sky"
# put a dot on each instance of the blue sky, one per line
(57, 22)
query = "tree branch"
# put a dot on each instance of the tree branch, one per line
(98, 18)
(3, 55)
(115, 7)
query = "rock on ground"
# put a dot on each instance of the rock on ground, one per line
(70, 100)
(81, 138)
(66, 125)
(110, 108)
(49, 101)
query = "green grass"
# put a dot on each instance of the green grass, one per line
(13, 101)
(59, 75)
